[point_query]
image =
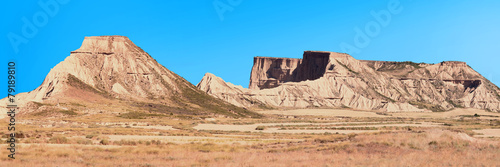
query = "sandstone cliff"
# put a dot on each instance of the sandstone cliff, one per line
(112, 69)
(329, 79)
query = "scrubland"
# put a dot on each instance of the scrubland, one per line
(342, 139)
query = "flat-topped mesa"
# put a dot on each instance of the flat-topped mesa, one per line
(313, 66)
(330, 79)
(267, 72)
(453, 63)
(107, 45)
(270, 72)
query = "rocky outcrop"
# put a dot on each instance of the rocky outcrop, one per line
(112, 65)
(329, 79)
(108, 69)
(269, 72)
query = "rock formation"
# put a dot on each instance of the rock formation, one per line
(112, 69)
(329, 79)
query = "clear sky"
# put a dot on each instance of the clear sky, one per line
(194, 37)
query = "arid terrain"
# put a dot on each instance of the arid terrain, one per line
(109, 103)
(330, 137)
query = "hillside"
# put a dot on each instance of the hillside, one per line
(111, 75)
(337, 80)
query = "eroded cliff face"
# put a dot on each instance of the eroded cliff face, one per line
(329, 79)
(270, 72)
(112, 69)
(112, 65)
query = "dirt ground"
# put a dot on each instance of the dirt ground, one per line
(323, 112)
(487, 133)
(253, 127)
(307, 137)
(356, 113)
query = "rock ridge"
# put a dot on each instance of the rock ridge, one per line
(330, 79)
(112, 69)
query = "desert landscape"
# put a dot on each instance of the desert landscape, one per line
(110, 103)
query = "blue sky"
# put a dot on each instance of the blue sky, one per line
(191, 38)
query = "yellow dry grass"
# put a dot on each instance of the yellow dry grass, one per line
(364, 139)
(432, 147)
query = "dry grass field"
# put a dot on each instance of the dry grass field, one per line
(281, 138)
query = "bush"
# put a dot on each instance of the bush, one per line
(90, 136)
(157, 142)
(83, 141)
(351, 136)
(104, 142)
(260, 128)
(59, 139)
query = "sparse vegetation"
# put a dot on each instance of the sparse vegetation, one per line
(455, 105)
(49, 112)
(391, 139)
(68, 112)
(38, 104)
(432, 107)
(430, 147)
(139, 115)
(350, 70)
(392, 66)
(388, 98)
(104, 142)
(193, 95)
(77, 83)
(59, 139)
(83, 141)
(260, 128)
(344, 106)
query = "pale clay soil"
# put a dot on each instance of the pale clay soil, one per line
(355, 113)
(252, 128)
(450, 114)
(324, 112)
(316, 112)
(488, 133)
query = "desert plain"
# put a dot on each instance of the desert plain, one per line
(322, 137)
(110, 103)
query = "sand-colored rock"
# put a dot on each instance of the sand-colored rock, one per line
(107, 68)
(329, 79)
(110, 64)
